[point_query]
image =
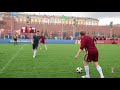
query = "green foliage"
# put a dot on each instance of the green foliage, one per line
(64, 34)
(46, 34)
(76, 34)
(55, 34)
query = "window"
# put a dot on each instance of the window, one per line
(31, 20)
(52, 20)
(24, 19)
(81, 22)
(35, 20)
(66, 22)
(72, 22)
(16, 19)
(20, 19)
(59, 21)
(56, 20)
(69, 22)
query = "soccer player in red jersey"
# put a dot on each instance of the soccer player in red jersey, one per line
(91, 54)
(42, 41)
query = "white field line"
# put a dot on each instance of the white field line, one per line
(6, 65)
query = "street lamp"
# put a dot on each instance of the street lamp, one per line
(74, 24)
(111, 25)
(28, 19)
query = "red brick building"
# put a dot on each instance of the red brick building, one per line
(56, 24)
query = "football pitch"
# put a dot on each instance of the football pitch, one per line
(56, 62)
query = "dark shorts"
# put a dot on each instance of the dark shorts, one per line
(92, 56)
(15, 39)
(35, 46)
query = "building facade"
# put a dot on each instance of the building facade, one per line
(38, 19)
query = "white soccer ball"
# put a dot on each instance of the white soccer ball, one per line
(79, 69)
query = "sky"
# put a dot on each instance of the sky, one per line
(104, 17)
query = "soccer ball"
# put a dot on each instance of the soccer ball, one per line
(79, 69)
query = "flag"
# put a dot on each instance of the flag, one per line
(45, 16)
(64, 18)
(13, 13)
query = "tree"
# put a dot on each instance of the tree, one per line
(87, 32)
(64, 34)
(118, 36)
(46, 34)
(2, 22)
(55, 34)
(76, 34)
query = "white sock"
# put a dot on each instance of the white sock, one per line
(100, 71)
(40, 48)
(87, 71)
(34, 52)
(45, 47)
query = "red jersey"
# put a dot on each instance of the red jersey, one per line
(87, 43)
(43, 38)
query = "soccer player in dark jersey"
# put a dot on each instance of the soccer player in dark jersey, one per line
(15, 39)
(42, 41)
(35, 43)
(91, 54)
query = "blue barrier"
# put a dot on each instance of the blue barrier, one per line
(27, 41)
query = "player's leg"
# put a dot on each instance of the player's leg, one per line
(45, 46)
(99, 69)
(40, 46)
(34, 50)
(95, 60)
(14, 41)
(86, 67)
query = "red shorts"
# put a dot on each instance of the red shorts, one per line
(42, 42)
(92, 56)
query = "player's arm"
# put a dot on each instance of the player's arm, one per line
(81, 48)
(78, 53)
(32, 40)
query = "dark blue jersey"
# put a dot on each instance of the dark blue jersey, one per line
(36, 39)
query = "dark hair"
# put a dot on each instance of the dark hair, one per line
(82, 33)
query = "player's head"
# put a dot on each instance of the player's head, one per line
(37, 33)
(82, 33)
(43, 34)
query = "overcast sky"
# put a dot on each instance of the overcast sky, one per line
(104, 17)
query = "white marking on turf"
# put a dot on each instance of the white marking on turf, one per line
(11, 59)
